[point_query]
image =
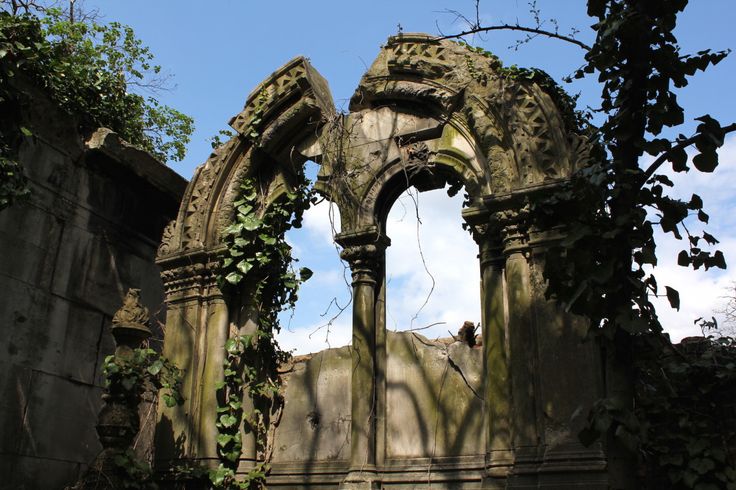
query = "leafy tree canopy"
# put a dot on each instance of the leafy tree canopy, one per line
(97, 72)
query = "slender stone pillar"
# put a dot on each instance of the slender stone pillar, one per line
(364, 259)
(118, 421)
(522, 348)
(499, 454)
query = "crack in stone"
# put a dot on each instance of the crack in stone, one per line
(460, 372)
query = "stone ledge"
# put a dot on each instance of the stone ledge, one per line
(140, 162)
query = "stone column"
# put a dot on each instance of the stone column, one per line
(364, 259)
(499, 455)
(522, 341)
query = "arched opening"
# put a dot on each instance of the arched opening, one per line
(432, 272)
(321, 318)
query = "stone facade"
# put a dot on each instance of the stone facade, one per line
(427, 113)
(67, 256)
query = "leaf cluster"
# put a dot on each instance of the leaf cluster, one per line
(89, 70)
(131, 375)
(685, 402)
(602, 269)
(619, 204)
(136, 474)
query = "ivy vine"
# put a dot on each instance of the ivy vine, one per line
(259, 260)
(131, 375)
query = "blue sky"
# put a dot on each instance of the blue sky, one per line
(218, 51)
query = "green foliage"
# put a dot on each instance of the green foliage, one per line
(89, 70)
(132, 374)
(258, 259)
(686, 396)
(13, 184)
(637, 59)
(136, 474)
(612, 209)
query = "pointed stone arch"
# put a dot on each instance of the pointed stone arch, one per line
(427, 112)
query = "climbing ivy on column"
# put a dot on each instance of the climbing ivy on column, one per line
(258, 258)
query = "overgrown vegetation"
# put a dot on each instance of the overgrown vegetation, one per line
(90, 70)
(127, 378)
(144, 368)
(603, 268)
(259, 261)
(574, 119)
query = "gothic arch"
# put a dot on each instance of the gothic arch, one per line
(426, 112)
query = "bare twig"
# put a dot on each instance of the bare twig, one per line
(520, 28)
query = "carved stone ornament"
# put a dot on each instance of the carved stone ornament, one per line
(165, 248)
(418, 153)
(130, 324)
(132, 310)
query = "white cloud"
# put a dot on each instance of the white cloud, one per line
(450, 256)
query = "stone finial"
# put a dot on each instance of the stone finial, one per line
(130, 324)
(132, 310)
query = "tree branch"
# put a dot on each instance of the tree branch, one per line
(679, 146)
(517, 27)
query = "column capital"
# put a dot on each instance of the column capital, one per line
(363, 251)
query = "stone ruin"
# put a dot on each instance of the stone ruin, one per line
(420, 413)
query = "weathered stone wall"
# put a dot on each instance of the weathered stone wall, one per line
(67, 256)
(433, 417)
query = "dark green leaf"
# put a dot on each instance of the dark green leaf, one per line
(673, 297)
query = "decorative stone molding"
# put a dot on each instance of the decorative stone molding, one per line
(427, 112)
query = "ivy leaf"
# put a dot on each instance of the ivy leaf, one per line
(710, 238)
(678, 158)
(224, 439)
(245, 265)
(706, 161)
(673, 297)
(233, 278)
(155, 368)
(228, 420)
(250, 222)
(719, 260)
(305, 273)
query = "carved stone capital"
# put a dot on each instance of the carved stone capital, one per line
(364, 261)
(185, 275)
(364, 251)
